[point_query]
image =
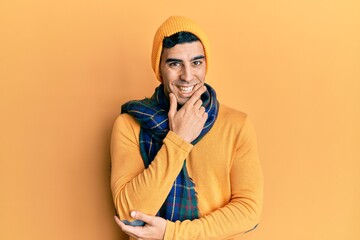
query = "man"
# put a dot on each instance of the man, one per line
(183, 165)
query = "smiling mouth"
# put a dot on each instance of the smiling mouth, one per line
(187, 89)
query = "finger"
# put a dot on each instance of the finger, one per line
(141, 216)
(197, 94)
(122, 225)
(202, 110)
(205, 116)
(173, 105)
(198, 104)
(129, 230)
(117, 220)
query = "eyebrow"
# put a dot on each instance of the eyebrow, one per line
(198, 57)
(179, 60)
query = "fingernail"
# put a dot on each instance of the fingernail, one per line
(133, 214)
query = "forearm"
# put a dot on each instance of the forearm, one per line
(232, 220)
(238, 216)
(146, 189)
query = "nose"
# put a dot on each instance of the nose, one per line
(187, 74)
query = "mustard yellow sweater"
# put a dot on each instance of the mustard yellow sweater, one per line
(224, 166)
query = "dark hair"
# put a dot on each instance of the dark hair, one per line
(180, 37)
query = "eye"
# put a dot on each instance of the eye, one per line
(197, 62)
(174, 64)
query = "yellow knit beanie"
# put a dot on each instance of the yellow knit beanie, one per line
(172, 25)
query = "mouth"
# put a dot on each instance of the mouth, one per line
(185, 89)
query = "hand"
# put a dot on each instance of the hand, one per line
(189, 121)
(154, 228)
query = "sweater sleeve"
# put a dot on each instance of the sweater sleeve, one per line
(242, 212)
(134, 187)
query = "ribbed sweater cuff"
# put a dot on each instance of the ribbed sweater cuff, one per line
(169, 231)
(178, 141)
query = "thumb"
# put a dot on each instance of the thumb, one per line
(173, 105)
(141, 216)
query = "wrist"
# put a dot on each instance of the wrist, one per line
(184, 138)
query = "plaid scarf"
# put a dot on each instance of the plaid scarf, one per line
(152, 114)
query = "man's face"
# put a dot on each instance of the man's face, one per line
(183, 70)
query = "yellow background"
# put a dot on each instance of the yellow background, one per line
(67, 66)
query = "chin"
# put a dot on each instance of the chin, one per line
(182, 101)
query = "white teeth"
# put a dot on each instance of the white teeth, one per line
(186, 89)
